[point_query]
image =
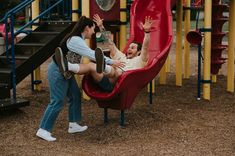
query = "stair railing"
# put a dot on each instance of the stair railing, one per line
(11, 14)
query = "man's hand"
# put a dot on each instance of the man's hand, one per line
(98, 21)
(147, 24)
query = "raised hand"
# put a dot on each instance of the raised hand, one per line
(98, 21)
(147, 24)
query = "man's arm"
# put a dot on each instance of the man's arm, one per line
(144, 50)
(115, 53)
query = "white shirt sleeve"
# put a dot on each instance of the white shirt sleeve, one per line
(77, 45)
(119, 55)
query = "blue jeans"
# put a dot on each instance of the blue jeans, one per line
(59, 89)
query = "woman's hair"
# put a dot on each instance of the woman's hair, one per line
(77, 30)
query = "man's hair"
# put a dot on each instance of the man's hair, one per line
(139, 45)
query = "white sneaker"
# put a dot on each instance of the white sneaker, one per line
(41, 133)
(74, 128)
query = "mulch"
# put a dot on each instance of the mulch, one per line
(176, 123)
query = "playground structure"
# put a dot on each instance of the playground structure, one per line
(21, 58)
(19, 65)
(126, 88)
(212, 61)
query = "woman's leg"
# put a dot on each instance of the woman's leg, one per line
(75, 110)
(58, 89)
(74, 100)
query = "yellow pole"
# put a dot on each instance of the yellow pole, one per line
(35, 13)
(179, 13)
(75, 16)
(186, 43)
(75, 7)
(162, 79)
(207, 49)
(231, 47)
(213, 78)
(86, 12)
(168, 62)
(122, 27)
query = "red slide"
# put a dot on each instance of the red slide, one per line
(131, 82)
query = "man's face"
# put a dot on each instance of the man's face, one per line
(132, 51)
(89, 31)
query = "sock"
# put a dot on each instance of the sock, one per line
(107, 69)
(73, 67)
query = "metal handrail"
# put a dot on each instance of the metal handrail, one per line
(10, 11)
(11, 14)
(39, 16)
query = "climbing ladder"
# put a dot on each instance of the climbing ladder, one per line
(217, 47)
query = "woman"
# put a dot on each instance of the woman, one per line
(60, 88)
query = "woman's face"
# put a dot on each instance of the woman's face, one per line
(89, 31)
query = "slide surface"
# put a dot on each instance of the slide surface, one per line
(131, 82)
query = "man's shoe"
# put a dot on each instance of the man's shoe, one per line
(74, 128)
(62, 63)
(41, 133)
(99, 56)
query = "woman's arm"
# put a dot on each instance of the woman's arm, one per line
(78, 45)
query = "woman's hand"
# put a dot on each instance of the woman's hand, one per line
(98, 21)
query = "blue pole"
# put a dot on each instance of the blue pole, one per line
(122, 118)
(199, 73)
(105, 115)
(13, 65)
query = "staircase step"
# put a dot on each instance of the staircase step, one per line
(13, 103)
(32, 44)
(18, 57)
(46, 32)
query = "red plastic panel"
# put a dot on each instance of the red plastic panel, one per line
(111, 15)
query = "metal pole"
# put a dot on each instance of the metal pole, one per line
(179, 12)
(122, 27)
(231, 47)
(13, 65)
(186, 43)
(207, 51)
(199, 73)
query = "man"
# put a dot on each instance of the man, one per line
(136, 58)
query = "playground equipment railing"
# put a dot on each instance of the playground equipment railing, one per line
(10, 14)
